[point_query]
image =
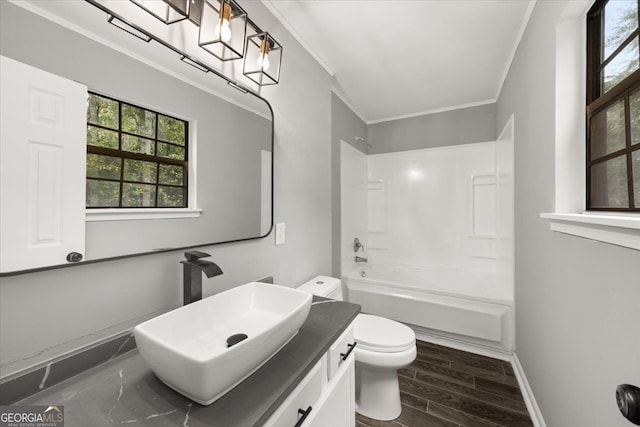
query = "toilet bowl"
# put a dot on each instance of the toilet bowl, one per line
(383, 347)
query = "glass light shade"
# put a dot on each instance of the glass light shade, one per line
(222, 29)
(262, 59)
(168, 11)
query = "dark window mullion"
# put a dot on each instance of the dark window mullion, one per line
(121, 158)
(121, 182)
(629, 84)
(120, 126)
(95, 178)
(94, 125)
(609, 156)
(134, 156)
(155, 203)
(619, 49)
(128, 181)
(185, 172)
(594, 53)
(631, 210)
(170, 143)
(627, 131)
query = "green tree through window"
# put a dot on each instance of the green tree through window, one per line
(136, 157)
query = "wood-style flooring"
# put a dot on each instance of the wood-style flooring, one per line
(445, 387)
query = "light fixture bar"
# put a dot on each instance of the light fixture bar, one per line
(237, 86)
(116, 22)
(194, 64)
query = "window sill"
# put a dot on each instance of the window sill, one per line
(616, 229)
(140, 214)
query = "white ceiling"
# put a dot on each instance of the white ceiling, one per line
(398, 58)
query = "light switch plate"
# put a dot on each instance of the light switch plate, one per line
(280, 233)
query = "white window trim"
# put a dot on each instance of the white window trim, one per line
(621, 230)
(138, 214)
(570, 217)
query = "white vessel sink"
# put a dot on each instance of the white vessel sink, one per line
(187, 347)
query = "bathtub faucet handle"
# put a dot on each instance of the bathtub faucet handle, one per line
(357, 245)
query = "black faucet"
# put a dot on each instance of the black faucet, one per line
(192, 274)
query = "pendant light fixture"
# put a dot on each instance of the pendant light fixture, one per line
(222, 29)
(222, 33)
(262, 59)
(168, 11)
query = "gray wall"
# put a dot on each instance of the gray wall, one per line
(345, 126)
(229, 138)
(45, 314)
(577, 301)
(463, 126)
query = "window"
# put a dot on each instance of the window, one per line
(613, 106)
(136, 158)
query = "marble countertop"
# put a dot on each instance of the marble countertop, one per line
(125, 391)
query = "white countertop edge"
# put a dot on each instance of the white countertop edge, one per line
(622, 230)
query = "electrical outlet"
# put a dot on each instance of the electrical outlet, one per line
(280, 233)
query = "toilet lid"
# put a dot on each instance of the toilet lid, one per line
(376, 333)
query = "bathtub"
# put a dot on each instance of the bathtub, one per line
(462, 305)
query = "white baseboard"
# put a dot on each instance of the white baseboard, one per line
(461, 345)
(525, 388)
(527, 393)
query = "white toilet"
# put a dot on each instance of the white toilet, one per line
(383, 347)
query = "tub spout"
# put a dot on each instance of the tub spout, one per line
(361, 259)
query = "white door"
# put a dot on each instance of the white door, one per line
(42, 167)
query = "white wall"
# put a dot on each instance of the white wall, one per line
(45, 314)
(505, 206)
(577, 301)
(353, 204)
(345, 126)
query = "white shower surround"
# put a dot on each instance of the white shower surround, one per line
(439, 238)
(434, 206)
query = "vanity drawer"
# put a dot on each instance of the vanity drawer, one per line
(339, 351)
(301, 398)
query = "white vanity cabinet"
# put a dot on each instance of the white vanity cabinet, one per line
(326, 395)
(336, 406)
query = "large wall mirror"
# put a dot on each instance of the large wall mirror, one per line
(230, 131)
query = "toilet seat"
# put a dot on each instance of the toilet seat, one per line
(380, 335)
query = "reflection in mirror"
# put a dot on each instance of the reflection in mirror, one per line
(225, 166)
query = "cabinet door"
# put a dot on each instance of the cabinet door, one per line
(337, 406)
(42, 171)
(342, 346)
(304, 395)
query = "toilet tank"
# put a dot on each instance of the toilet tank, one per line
(324, 286)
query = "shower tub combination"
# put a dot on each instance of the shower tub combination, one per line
(460, 305)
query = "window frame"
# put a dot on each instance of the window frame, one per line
(158, 160)
(596, 101)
